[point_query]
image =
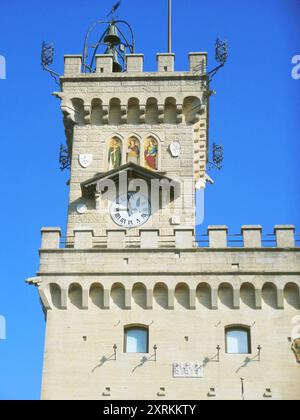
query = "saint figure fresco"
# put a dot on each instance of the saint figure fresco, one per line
(151, 154)
(133, 151)
(114, 154)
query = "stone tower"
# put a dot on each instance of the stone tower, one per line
(136, 307)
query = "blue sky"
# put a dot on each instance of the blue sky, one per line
(255, 114)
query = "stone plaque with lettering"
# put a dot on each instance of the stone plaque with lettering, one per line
(188, 370)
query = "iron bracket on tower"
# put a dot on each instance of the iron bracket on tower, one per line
(47, 58)
(64, 158)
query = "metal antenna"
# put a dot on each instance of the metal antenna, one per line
(170, 27)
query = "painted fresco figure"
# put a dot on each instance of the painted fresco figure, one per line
(151, 153)
(114, 155)
(133, 152)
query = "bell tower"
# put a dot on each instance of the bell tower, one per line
(137, 147)
(136, 307)
(137, 142)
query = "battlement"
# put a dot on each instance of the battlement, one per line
(135, 66)
(217, 237)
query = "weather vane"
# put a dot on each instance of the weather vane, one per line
(114, 8)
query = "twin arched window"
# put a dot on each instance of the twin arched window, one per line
(238, 340)
(136, 340)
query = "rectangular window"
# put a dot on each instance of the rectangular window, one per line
(238, 341)
(136, 340)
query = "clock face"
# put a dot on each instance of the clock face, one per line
(130, 210)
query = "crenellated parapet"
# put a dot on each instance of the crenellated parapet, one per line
(217, 237)
(214, 272)
(135, 66)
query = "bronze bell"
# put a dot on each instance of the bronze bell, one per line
(117, 68)
(112, 36)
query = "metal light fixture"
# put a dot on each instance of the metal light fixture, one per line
(155, 352)
(115, 351)
(218, 350)
(259, 348)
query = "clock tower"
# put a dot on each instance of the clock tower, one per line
(135, 306)
(138, 146)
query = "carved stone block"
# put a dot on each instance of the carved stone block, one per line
(188, 370)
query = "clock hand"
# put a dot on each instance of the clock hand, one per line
(130, 210)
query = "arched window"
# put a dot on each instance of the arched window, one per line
(136, 340)
(238, 340)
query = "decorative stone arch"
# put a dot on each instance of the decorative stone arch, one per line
(112, 135)
(226, 295)
(75, 294)
(118, 295)
(161, 295)
(145, 143)
(96, 295)
(115, 112)
(96, 112)
(134, 134)
(247, 294)
(133, 111)
(204, 295)
(191, 109)
(270, 295)
(55, 295)
(77, 107)
(292, 295)
(170, 112)
(182, 295)
(139, 295)
(152, 111)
